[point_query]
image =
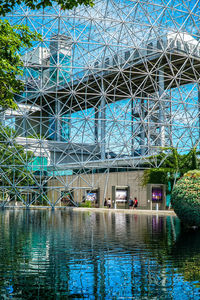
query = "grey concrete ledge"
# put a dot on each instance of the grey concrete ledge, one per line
(128, 211)
(104, 210)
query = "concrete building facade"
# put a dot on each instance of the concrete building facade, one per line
(106, 186)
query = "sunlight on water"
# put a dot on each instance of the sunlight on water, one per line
(64, 254)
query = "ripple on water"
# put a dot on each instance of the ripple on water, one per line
(79, 255)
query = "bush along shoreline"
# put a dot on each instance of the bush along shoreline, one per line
(186, 198)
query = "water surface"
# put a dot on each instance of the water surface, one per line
(88, 255)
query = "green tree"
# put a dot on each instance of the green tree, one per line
(15, 170)
(6, 6)
(172, 165)
(12, 39)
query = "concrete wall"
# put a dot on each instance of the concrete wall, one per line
(104, 182)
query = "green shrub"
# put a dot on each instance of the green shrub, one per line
(158, 176)
(186, 198)
(86, 204)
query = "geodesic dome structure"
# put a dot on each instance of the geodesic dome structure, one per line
(105, 89)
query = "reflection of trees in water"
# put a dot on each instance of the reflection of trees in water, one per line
(161, 234)
(83, 253)
(179, 246)
(14, 239)
(16, 254)
(187, 249)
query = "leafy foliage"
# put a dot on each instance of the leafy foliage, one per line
(14, 161)
(191, 270)
(186, 198)
(6, 6)
(12, 39)
(159, 176)
(173, 166)
(86, 204)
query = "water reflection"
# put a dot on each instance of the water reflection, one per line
(59, 254)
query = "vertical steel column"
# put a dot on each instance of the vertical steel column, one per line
(96, 121)
(57, 102)
(142, 128)
(63, 123)
(161, 94)
(69, 126)
(24, 129)
(170, 120)
(58, 120)
(132, 130)
(103, 120)
(148, 132)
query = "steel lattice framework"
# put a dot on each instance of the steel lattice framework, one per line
(106, 88)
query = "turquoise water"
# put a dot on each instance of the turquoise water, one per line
(83, 255)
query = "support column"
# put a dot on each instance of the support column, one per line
(103, 122)
(96, 121)
(148, 131)
(58, 120)
(24, 129)
(69, 126)
(132, 130)
(142, 129)
(170, 119)
(161, 94)
(65, 123)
